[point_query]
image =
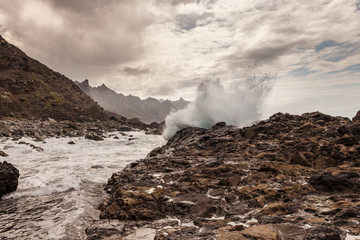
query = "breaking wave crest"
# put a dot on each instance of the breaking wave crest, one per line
(239, 103)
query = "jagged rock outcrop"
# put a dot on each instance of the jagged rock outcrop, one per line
(29, 89)
(357, 117)
(289, 177)
(8, 178)
(148, 110)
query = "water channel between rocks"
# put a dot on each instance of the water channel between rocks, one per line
(60, 188)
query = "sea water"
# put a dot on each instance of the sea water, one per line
(61, 187)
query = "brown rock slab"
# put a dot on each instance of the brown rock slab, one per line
(260, 232)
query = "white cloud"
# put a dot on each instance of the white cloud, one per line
(164, 47)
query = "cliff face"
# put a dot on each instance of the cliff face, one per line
(289, 177)
(29, 89)
(147, 110)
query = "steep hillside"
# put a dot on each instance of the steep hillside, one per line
(148, 110)
(29, 89)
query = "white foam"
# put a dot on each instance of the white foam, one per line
(62, 167)
(68, 180)
(239, 103)
(352, 237)
(188, 224)
(150, 191)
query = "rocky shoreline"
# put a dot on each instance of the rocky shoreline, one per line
(289, 177)
(40, 129)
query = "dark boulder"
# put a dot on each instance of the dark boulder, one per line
(322, 233)
(343, 181)
(8, 178)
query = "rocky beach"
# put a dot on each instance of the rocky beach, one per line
(289, 177)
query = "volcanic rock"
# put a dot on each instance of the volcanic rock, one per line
(275, 179)
(3, 154)
(357, 117)
(94, 137)
(8, 178)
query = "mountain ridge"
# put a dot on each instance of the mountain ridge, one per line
(147, 110)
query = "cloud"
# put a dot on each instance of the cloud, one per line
(166, 47)
(190, 21)
(160, 90)
(135, 71)
(302, 71)
(80, 38)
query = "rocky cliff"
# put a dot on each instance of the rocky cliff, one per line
(148, 110)
(289, 177)
(29, 89)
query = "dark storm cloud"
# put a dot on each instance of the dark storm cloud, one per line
(80, 37)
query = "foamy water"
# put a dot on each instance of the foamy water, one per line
(239, 104)
(60, 188)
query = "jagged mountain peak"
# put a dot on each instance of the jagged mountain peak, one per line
(147, 110)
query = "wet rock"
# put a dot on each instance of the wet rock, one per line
(101, 230)
(355, 129)
(38, 149)
(3, 154)
(278, 208)
(343, 181)
(8, 178)
(97, 166)
(275, 178)
(40, 130)
(71, 142)
(226, 234)
(348, 141)
(94, 137)
(343, 130)
(322, 162)
(124, 129)
(302, 158)
(322, 233)
(262, 232)
(135, 122)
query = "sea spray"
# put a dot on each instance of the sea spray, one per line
(238, 103)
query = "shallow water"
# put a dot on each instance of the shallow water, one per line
(60, 188)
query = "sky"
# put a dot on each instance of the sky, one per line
(165, 48)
